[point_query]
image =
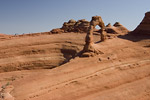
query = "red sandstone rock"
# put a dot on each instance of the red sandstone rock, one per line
(117, 28)
(91, 49)
(73, 26)
(144, 26)
(69, 26)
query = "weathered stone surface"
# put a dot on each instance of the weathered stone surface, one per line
(121, 28)
(69, 26)
(82, 26)
(111, 29)
(73, 26)
(117, 28)
(144, 26)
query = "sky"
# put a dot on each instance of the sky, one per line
(30, 16)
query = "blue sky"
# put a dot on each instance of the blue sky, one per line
(29, 16)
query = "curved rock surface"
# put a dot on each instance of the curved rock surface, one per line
(38, 50)
(121, 73)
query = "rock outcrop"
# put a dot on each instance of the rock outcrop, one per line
(69, 26)
(82, 26)
(117, 28)
(121, 28)
(144, 26)
(73, 26)
(91, 49)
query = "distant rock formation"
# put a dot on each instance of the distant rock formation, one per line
(69, 26)
(117, 28)
(91, 49)
(121, 28)
(82, 26)
(144, 26)
(73, 26)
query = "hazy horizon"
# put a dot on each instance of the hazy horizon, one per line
(30, 16)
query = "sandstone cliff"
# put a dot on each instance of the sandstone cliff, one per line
(144, 26)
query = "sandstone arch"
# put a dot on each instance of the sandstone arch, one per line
(90, 48)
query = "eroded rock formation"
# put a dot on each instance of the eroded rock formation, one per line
(82, 26)
(91, 49)
(117, 28)
(121, 28)
(69, 26)
(73, 26)
(144, 26)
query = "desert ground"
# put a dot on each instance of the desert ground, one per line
(48, 67)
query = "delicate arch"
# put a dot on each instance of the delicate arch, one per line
(96, 20)
(89, 46)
